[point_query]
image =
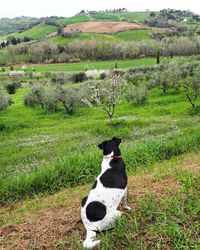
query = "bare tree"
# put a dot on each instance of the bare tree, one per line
(106, 95)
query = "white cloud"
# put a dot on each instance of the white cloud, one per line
(40, 8)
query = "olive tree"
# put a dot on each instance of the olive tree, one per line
(5, 101)
(191, 87)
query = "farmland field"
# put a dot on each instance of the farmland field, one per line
(80, 66)
(39, 31)
(102, 27)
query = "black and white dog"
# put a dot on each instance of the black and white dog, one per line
(99, 208)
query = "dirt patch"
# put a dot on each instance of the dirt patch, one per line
(141, 187)
(44, 233)
(192, 163)
(51, 228)
(102, 27)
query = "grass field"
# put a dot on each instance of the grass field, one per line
(134, 35)
(165, 202)
(124, 16)
(39, 150)
(38, 31)
(122, 64)
(74, 19)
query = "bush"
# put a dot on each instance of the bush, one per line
(5, 101)
(12, 87)
(2, 126)
(79, 77)
(35, 96)
(191, 87)
(50, 99)
(138, 95)
(60, 78)
(71, 99)
(102, 76)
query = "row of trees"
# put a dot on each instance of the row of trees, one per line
(99, 50)
(14, 41)
(106, 94)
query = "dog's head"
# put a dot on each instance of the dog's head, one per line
(111, 146)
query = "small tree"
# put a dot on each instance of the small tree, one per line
(171, 54)
(191, 88)
(50, 99)
(5, 101)
(35, 96)
(12, 87)
(138, 95)
(70, 98)
(106, 95)
(158, 57)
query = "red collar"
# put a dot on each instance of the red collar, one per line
(113, 156)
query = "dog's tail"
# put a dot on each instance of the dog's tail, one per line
(90, 241)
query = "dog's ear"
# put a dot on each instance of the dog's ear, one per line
(117, 140)
(102, 145)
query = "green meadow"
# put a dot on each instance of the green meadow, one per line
(133, 35)
(81, 66)
(42, 152)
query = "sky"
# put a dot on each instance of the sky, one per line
(43, 8)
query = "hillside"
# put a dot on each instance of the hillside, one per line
(110, 22)
(17, 24)
(38, 31)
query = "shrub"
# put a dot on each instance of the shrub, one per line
(50, 99)
(2, 126)
(35, 96)
(60, 78)
(138, 95)
(191, 87)
(102, 76)
(12, 87)
(5, 101)
(70, 98)
(79, 77)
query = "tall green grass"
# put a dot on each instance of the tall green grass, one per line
(79, 168)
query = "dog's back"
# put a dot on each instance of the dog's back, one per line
(99, 209)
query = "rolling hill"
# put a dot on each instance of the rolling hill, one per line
(105, 23)
(112, 25)
(39, 31)
(16, 24)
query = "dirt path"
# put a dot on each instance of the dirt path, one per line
(53, 222)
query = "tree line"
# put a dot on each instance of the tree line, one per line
(46, 52)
